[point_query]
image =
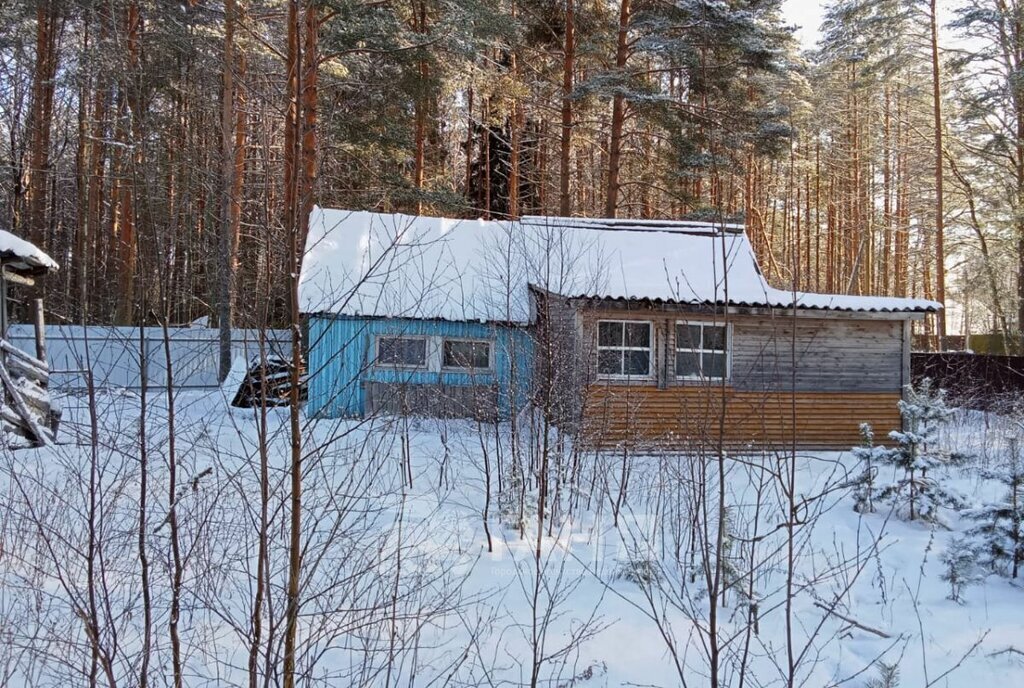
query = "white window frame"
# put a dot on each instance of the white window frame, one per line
(649, 349)
(377, 363)
(460, 369)
(701, 377)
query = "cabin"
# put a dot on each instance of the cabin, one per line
(404, 316)
(26, 411)
(683, 343)
(646, 333)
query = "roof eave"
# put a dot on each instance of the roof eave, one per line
(747, 307)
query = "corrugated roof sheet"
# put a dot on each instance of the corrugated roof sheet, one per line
(373, 264)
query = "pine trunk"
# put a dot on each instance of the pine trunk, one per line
(940, 250)
(48, 25)
(565, 150)
(618, 115)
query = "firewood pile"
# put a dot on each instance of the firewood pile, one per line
(26, 409)
(268, 384)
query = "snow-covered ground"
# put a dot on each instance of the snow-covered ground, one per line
(400, 587)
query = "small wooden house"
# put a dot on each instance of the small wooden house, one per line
(404, 316)
(684, 343)
(648, 333)
(25, 409)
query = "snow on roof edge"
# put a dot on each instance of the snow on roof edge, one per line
(33, 256)
(869, 303)
(366, 264)
(641, 225)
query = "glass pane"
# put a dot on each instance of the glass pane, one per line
(714, 365)
(609, 334)
(481, 355)
(637, 363)
(463, 354)
(687, 336)
(687, 364)
(638, 334)
(609, 362)
(714, 337)
(402, 351)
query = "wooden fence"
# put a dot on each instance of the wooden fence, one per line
(973, 380)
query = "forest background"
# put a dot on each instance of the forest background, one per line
(168, 153)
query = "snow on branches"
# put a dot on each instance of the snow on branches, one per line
(914, 493)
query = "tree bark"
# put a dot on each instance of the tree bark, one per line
(618, 115)
(293, 142)
(940, 249)
(515, 140)
(420, 117)
(123, 223)
(230, 210)
(569, 57)
(48, 23)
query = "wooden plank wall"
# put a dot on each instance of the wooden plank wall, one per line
(685, 416)
(434, 400)
(847, 371)
(826, 355)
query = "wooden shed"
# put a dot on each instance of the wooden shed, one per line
(404, 316)
(26, 409)
(628, 332)
(684, 344)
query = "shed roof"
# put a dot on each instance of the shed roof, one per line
(374, 264)
(22, 256)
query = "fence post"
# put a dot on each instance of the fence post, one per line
(40, 326)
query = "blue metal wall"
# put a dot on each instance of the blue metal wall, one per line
(341, 352)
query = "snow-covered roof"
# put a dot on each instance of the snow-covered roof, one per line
(23, 256)
(391, 265)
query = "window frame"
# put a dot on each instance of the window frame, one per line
(651, 368)
(701, 377)
(377, 363)
(465, 369)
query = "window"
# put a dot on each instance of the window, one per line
(701, 351)
(408, 352)
(466, 353)
(623, 348)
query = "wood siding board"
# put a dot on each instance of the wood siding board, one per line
(831, 355)
(480, 402)
(341, 363)
(649, 416)
(847, 371)
(841, 356)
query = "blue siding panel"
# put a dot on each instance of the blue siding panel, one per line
(341, 352)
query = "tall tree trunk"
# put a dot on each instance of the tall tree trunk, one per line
(420, 117)
(48, 23)
(124, 230)
(470, 129)
(569, 58)
(230, 216)
(940, 244)
(618, 114)
(515, 140)
(80, 260)
(293, 192)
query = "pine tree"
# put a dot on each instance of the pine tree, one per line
(960, 568)
(997, 536)
(994, 107)
(924, 410)
(870, 456)
(888, 676)
(732, 561)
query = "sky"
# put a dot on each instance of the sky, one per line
(807, 15)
